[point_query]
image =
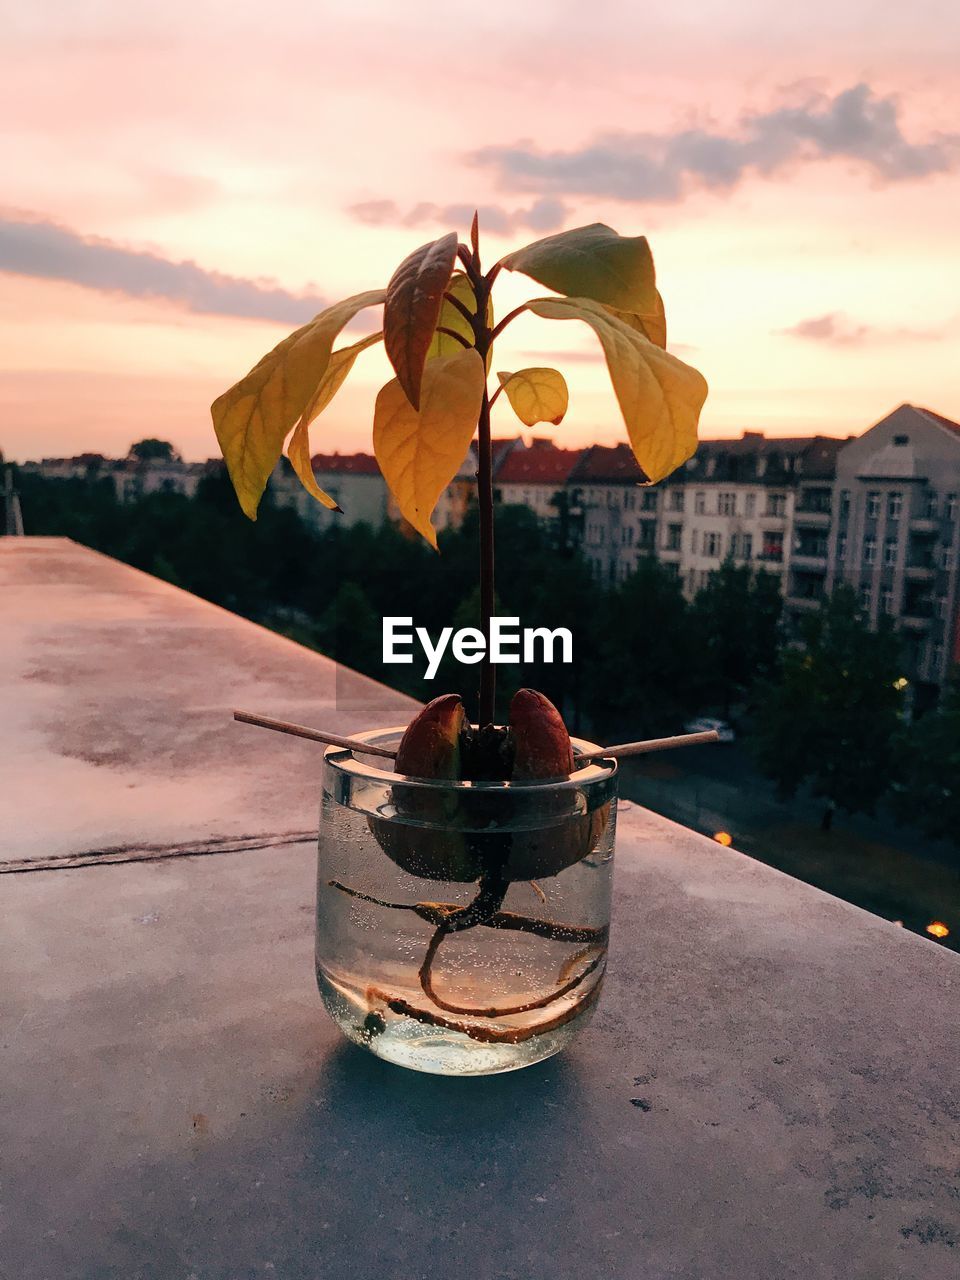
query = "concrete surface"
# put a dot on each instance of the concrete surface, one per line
(116, 700)
(768, 1090)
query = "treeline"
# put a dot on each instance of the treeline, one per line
(823, 710)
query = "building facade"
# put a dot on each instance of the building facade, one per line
(894, 535)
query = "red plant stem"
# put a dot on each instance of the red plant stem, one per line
(488, 686)
(484, 337)
(507, 319)
(459, 306)
(452, 333)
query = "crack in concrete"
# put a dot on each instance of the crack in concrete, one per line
(150, 853)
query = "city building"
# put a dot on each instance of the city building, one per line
(617, 514)
(535, 477)
(895, 536)
(352, 480)
(132, 478)
(734, 500)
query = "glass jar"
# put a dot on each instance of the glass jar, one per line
(462, 926)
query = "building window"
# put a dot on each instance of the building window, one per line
(750, 504)
(886, 600)
(772, 545)
(727, 504)
(844, 503)
(699, 503)
(842, 547)
(950, 510)
(941, 607)
(630, 501)
(694, 539)
(873, 506)
(890, 551)
(901, 440)
(626, 535)
(712, 544)
(746, 546)
(894, 505)
(946, 557)
(674, 534)
(866, 598)
(776, 504)
(676, 500)
(649, 500)
(869, 550)
(932, 506)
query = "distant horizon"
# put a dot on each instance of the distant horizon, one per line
(330, 448)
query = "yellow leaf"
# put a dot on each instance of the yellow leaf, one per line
(441, 344)
(420, 452)
(298, 448)
(660, 397)
(537, 395)
(653, 326)
(412, 309)
(253, 418)
(592, 262)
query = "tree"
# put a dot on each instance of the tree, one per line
(350, 631)
(929, 791)
(153, 450)
(830, 714)
(736, 617)
(641, 665)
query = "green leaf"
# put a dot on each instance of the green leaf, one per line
(537, 395)
(412, 309)
(653, 326)
(253, 418)
(298, 447)
(420, 452)
(592, 262)
(660, 397)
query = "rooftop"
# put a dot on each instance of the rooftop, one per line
(355, 464)
(768, 1089)
(938, 418)
(542, 463)
(600, 464)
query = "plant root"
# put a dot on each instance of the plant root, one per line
(495, 1011)
(484, 910)
(489, 1035)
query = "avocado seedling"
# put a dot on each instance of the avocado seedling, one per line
(439, 332)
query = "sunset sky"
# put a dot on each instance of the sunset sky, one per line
(185, 183)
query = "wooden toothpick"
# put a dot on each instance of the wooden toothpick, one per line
(365, 748)
(315, 735)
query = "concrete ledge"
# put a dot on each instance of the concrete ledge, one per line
(768, 1089)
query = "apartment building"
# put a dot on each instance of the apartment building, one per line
(353, 480)
(813, 503)
(536, 477)
(616, 515)
(894, 536)
(132, 478)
